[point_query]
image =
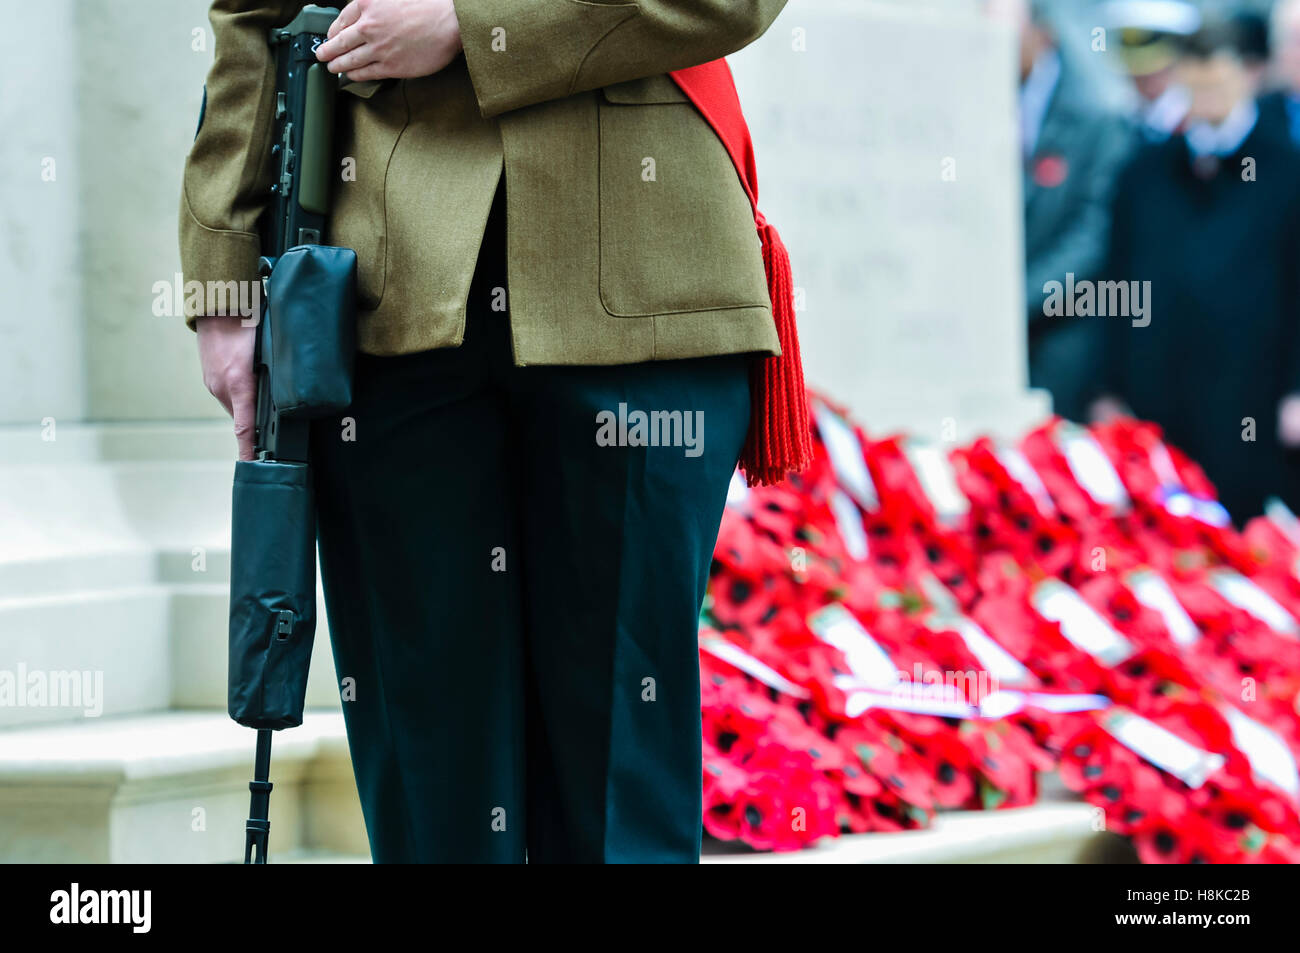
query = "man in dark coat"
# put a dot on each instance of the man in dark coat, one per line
(1279, 109)
(1211, 218)
(1072, 151)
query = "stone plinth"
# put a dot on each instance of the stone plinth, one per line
(887, 155)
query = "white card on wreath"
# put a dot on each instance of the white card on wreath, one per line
(1022, 471)
(1162, 747)
(869, 663)
(1081, 624)
(1245, 594)
(938, 480)
(1090, 466)
(847, 458)
(848, 520)
(1268, 754)
(734, 655)
(1151, 589)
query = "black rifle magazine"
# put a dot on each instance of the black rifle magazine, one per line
(311, 305)
(272, 593)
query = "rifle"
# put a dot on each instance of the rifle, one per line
(303, 362)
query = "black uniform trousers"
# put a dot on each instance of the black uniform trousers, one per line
(513, 582)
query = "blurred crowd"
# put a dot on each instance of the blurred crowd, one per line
(1162, 240)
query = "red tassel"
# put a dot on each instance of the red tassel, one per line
(779, 439)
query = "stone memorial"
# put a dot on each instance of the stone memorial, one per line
(888, 157)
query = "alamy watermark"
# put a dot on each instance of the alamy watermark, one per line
(181, 298)
(1101, 299)
(76, 905)
(654, 428)
(927, 685)
(22, 687)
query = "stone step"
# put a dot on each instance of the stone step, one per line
(72, 658)
(75, 442)
(171, 787)
(321, 857)
(135, 649)
(99, 525)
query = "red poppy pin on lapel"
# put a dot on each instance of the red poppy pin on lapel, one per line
(1050, 171)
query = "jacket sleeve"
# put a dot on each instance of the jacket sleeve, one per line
(1081, 247)
(522, 52)
(228, 174)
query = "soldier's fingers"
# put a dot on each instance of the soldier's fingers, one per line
(345, 42)
(245, 411)
(348, 62)
(367, 73)
(349, 16)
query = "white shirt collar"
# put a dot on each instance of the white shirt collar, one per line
(1166, 111)
(1226, 138)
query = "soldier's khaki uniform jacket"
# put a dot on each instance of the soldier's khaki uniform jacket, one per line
(630, 237)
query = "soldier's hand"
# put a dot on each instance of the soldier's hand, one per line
(391, 39)
(226, 353)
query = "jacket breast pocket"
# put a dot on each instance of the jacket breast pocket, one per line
(368, 132)
(676, 228)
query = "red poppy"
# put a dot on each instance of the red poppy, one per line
(1050, 171)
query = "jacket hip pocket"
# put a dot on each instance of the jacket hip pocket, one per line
(676, 228)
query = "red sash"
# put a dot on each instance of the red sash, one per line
(779, 440)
